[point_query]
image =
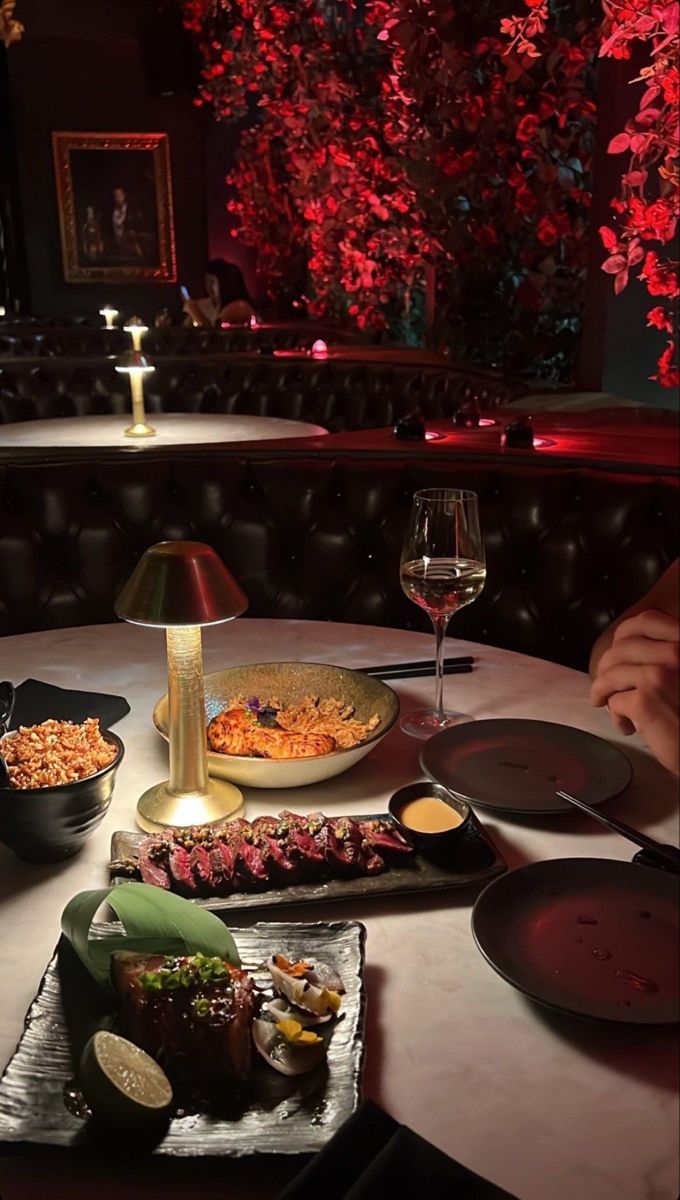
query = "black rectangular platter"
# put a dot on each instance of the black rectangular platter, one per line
(283, 1116)
(474, 860)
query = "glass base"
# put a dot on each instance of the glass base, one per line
(423, 723)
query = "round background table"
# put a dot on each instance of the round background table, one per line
(546, 1106)
(172, 429)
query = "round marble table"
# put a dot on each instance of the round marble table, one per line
(172, 429)
(546, 1106)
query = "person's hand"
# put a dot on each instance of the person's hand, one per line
(638, 679)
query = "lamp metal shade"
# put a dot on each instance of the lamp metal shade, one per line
(180, 583)
(135, 323)
(133, 360)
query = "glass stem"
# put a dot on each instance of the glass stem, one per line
(440, 622)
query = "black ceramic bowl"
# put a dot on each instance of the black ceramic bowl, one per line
(430, 843)
(48, 824)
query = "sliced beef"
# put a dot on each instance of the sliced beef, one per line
(221, 870)
(199, 861)
(250, 867)
(151, 866)
(384, 837)
(179, 861)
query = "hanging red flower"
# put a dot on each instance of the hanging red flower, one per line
(652, 145)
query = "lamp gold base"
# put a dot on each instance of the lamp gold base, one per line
(159, 807)
(140, 430)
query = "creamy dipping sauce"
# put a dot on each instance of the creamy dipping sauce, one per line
(428, 814)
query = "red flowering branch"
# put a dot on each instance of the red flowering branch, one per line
(315, 178)
(396, 134)
(648, 207)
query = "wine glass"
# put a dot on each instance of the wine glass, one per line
(442, 569)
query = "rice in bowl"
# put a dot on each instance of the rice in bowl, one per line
(55, 753)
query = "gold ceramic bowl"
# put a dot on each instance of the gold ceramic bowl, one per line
(290, 682)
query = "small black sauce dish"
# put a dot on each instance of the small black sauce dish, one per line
(430, 844)
(48, 824)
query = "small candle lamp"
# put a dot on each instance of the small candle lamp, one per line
(109, 314)
(319, 349)
(179, 587)
(136, 366)
(136, 328)
(254, 322)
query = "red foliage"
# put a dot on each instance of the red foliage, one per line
(651, 141)
(408, 137)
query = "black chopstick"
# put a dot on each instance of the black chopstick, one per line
(423, 664)
(405, 673)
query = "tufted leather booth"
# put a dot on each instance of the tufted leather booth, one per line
(567, 550)
(81, 341)
(339, 394)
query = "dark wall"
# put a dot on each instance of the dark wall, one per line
(81, 67)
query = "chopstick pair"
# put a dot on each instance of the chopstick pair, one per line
(415, 670)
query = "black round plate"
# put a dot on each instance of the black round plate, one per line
(590, 936)
(518, 765)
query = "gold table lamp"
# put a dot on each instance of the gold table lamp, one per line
(180, 586)
(134, 364)
(136, 328)
(109, 314)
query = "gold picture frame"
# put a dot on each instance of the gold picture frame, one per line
(114, 194)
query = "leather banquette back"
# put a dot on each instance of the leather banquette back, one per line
(320, 537)
(339, 394)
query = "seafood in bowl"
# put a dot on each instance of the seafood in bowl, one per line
(271, 730)
(274, 743)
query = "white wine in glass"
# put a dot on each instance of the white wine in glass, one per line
(442, 569)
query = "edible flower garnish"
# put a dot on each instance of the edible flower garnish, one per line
(297, 969)
(293, 1032)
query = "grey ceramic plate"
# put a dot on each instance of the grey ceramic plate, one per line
(474, 859)
(285, 1116)
(590, 936)
(518, 765)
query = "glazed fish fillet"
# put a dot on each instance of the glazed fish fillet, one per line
(192, 1013)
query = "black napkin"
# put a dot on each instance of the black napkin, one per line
(372, 1156)
(36, 702)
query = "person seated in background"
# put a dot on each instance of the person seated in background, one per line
(227, 298)
(635, 669)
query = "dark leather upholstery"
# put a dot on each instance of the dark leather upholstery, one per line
(320, 537)
(80, 341)
(339, 394)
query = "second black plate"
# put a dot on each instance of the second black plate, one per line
(518, 765)
(590, 936)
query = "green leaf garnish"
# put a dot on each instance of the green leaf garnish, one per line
(156, 922)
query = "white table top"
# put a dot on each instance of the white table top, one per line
(172, 429)
(548, 1107)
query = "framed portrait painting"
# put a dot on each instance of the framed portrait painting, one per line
(114, 194)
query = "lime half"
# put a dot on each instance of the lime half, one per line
(122, 1083)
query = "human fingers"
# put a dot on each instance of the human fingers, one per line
(619, 678)
(640, 649)
(651, 623)
(655, 720)
(623, 725)
(654, 679)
